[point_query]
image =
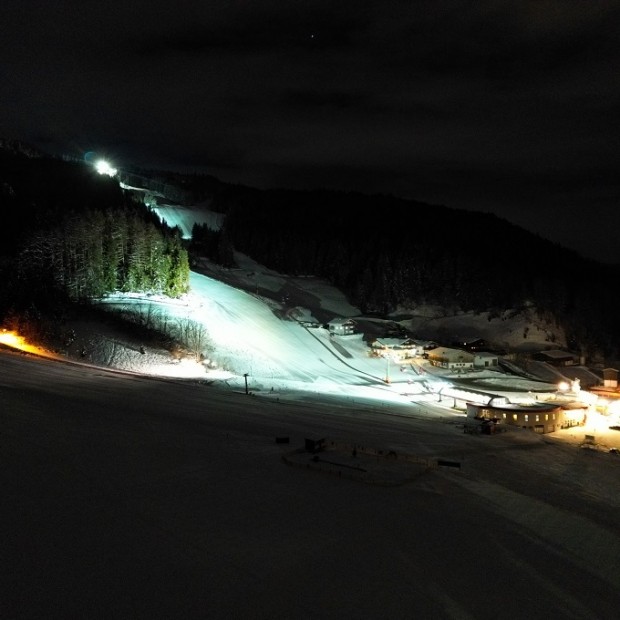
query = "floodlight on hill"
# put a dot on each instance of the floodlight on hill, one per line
(104, 167)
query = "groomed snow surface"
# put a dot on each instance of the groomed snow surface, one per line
(137, 485)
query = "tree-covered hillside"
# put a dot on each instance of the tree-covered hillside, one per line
(70, 234)
(386, 253)
(78, 235)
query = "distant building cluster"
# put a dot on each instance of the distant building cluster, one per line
(487, 412)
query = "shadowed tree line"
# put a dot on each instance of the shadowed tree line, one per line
(79, 235)
(384, 253)
(95, 252)
(74, 235)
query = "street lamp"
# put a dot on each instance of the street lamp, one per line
(245, 376)
(387, 371)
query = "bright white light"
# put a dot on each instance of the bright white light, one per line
(588, 398)
(103, 167)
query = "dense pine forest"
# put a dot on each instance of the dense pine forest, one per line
(71, 235)
(386, 253)
(78, 235)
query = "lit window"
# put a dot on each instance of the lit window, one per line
(537, 418)
(514, 417)
(526, 417)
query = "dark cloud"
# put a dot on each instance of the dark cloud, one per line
(510, 107)
(272, 32)
(309, 99)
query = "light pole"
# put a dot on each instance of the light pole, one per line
(245, 376)
(387, 371)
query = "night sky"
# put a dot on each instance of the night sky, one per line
(510, 107)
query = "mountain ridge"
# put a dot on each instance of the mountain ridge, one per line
(408, 254)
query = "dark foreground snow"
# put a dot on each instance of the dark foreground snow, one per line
(126, 496)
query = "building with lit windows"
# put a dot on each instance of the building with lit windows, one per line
(538, 417)
(452, 359)
(341, 327)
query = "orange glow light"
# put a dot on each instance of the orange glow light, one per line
(15, 341)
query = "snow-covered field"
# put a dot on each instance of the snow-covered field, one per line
(252, 343)
(129, 496)
(251, 334)
(253, 340)
(142, 484)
